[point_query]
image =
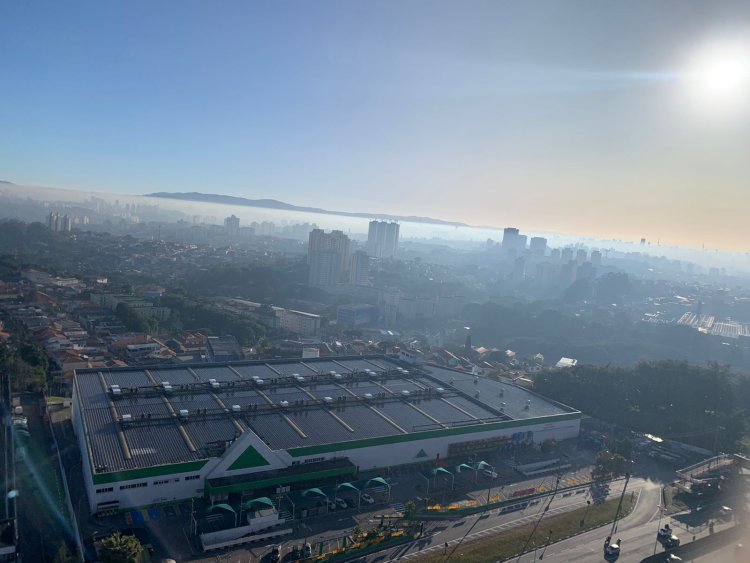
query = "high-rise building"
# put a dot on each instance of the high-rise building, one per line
(232, 225)
(382, 239)
(538, 247)
(581, 256)
(328, 257)
(59, 223)
(567, 255)
(510, 238)
(360, 269)
(596, 258)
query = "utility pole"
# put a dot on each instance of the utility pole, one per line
(619, 505)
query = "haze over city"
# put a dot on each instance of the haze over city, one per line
(614, 121)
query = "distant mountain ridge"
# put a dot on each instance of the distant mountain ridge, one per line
(275, 204)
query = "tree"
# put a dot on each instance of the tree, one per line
(64, 555)
(119, 548)
(608, 463)
(409, 508)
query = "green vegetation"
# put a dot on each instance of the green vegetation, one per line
(25, 375)
(705, 406)
(64, 555)
(610, 463)
(503, 545)
(192, 313)
(119, 548)
(133, 321)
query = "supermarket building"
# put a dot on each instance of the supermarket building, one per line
(155, 435)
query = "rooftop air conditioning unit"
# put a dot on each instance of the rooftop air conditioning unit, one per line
(166, 386)
(405, 393)
(115, 390)
(236, 408)
(328, 399)
(214, 383)
(284, 404)
(126, 418)
(368, 396)
(337, 376)
(440, 390)
(299, 379)
(259, 381)
(184, 413)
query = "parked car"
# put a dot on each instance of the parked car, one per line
(340, 503)
(489, 473)
(367, 499)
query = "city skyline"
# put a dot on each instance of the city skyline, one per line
(496, 115)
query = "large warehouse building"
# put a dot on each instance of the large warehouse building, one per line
(153, 435)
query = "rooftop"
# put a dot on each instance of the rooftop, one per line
(201, 408)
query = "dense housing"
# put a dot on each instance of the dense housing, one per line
(159, 434)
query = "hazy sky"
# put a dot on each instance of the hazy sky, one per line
(563, 116)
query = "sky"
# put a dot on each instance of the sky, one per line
(591, 118)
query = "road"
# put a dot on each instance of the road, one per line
(458, 533)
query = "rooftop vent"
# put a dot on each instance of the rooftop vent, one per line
(328, 399)
(284, 404)
(236, 408)
(299, 378)
(440, 390)
(259, 381)
(405, 371)
(405, 393)
(368, 396)
(184, 413)
(337, 375)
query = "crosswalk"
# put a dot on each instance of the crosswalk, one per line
(398, 507)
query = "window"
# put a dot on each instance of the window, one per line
(105, 490)
(192, 477)
(133, 486)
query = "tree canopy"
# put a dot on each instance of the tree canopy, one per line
(120, 548)
(694, 404)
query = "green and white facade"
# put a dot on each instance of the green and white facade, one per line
(157, 435)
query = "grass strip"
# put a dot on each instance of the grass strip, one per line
(509, 543)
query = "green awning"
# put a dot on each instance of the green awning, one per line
(378, 480)
(440, 470)
(260, 500)
(221, 507)
(463, 466)
(313, 491)
(347, 486)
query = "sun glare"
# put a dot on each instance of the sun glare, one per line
(718, 76)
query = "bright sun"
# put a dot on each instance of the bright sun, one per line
(719, 76)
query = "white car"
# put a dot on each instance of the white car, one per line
(489, 473)
(367, 499)
(340, 503)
